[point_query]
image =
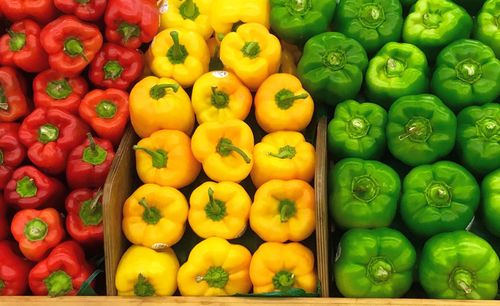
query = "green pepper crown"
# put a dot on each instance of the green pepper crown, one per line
(394, 67)
(159, 157)
(189, 10)
(178, 53)
(106, 109)
(17, 40)
(91, 210)
(128, 31)
(83, 1)
(94, 154)
(143, 287)
(1, 157)
(469, 71)
(462, 280)
(283, 280)
(285, 98)
(364, 188)
(358, 127)
(48, 133)
(112, 70)
(216, 277)
(379, 270)
(36, 229)
(58, 283)
(371, 15)
(431, 20)
(225, 147)
(4, 105)
(286, 152)
(438, 194)
(418, 129)
(74, 47)
(151, 215)
(251, 49)
(26, 187)
(219, 98)
(335, 60)
(488, 128)
(2, 285)
(298, 7)
(160, 90)
(287, 210)
(59, 89)
(215, 209)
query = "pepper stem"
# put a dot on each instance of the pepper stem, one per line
(59, 89)
(216, 277)
(74, 47)
(1, 157)
(284, 98)
(2, 285)
(159, 156)
(128, 31)
(112, 70)
(48, 133)
(462, 280)
(159, 91)
(17, 40)
(225, 147)
(36, 229)
(143, 287)
(189, 10)
(219, 98)
(287, 210)
(89, 212)
(418, 129)
(364, 188)
(177, 53)
(106, 109)
(215, 209)
(251, 49)
(4, 105)
(285, 152)
(83, 1)
(26, 187)
(58, 283)
(151, 215)
(379, 270)
(94, 154)
(283, 280)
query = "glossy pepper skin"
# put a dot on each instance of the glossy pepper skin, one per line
(14, 270)
(63, 272)
(229, 13)
(397, 70)
(37, 232)
(332, 67)
(50, 135)
(487, 26)
(71, 44)
(145, 272)
(84, 220)
(281, 104)
(467, 72)
(420, 129)
(88, 10)
(371, 23)
(440, 197)
(12, 152)
(459, 265)
(374, 263)
(192, 15)
(14, 103)
(363, 193)
(41, 11)
(215, 268)
(490, 195)
(357, 130)
(297, 21)
(21, 47)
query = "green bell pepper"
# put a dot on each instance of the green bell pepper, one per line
(438, 198)
(375, 263)
(331, 67)
(363, 193)
(490, 192)
(372, 23)
(487, 29)
(433, 24)
(467, 73)
(397, 70)
(420, 129)
(357, 130)
(459, 265)
(298, 20)
(478, 137)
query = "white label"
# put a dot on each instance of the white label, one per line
(159, 246)
(164, 7)
(220, 74)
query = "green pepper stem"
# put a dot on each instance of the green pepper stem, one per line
(36, 229)
(225, 147)
(94, 154)
(4, 105)
(143, 287)
(299, 7)
(74, 47)
(251, 49)
(1, 157)
(364, 188)
(462, 280)
(112, 70)
(95, 199)
(219, 98)
(59, 89)
(283, 280)
(89, 212)
(83, 1)
(379, 270)
(128, 31)
(58, 283)
(287, 210)
(48, 133)
(106, 109)
(159, 157)
(216, 277)
(286, 152)
(285, 98)
(189, 10)
(151, 215)
(418, 129)
(160, 90)
(215, 209)
(177, 53)
(17, 40)
(26, 187)
(2, 285)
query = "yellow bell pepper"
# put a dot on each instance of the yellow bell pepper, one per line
(165, 158)
(192, 15)
(281, 266)
(215, 268)
(155, 216)
(283, 155)
(219, 210)
(224, 149)
(226, 14)
(220, 96)
(179, 54)
(252, 53)
(146, 272)
(281, 104)
(283, 210)
(157, 104)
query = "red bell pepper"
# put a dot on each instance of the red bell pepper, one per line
(131, 23)
(41, 11)
(13, 100)
(84, 218)
(21, 47)
(62, 273)
(53, 89)
(37, 231)
(89, 163)
(107, 112)
(4, 223)
(12, 152)
(14, 270)
(116, 67)
(50, 135)
(89, 10)
(71, 44)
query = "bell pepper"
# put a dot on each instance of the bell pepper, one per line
(145, 272)
(296, 21)
(12, 152)
(219, 210)
(215, 267)
(420, 129)
(363, 193)
(62, 273)
(433, 24)
(21, 47)
(283, 155)
(459, 265)
(192, 15)
(224, 149)
(372, 23)
(281, 267)
(376, 263)
(332, 67)
(71, 44)
(84, 220)
(467, 72)
(397, 70)
(30, 188)
(220, 96)
(13, 99)
(54, 89)
(116, 67)
(283, 211)
(14, 270)
(487, 26)
(50, 135)
(131, 23)
(153, 99)
(155, 216)
(42, 11)
(88, 10)
(229, 14)
(37, 232)
(214, 49)
(106, 111)
(281, 104)
(490, 195)
(179, 54)
(252, 53)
